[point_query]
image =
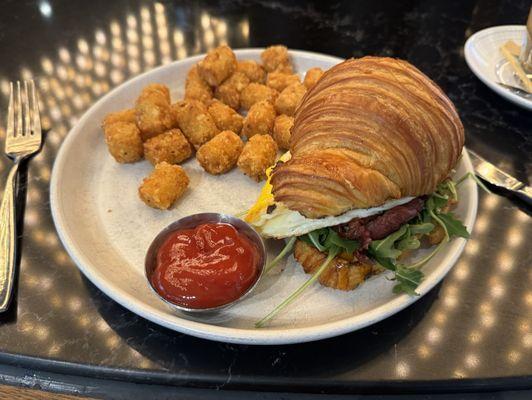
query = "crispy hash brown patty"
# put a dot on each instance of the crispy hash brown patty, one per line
(341, 274)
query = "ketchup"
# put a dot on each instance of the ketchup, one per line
(207, 266)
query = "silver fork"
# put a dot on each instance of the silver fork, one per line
(23, 138)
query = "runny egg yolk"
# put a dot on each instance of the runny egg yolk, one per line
(265, 198)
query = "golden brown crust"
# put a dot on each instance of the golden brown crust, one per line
(341, 273)
(370, 130)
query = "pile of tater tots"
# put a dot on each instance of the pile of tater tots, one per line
(208, 121)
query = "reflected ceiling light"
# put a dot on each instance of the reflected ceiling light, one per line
(117, 76)
(434, 335)
(100, 37)
(205, 20)
(64, 55)
(461, 271)
(146, 28)
(521, 216)
(244, 28)
(145, 14)
(181, 53)
(505, 261)
(131, 21)
(221, 29)
(513, 357)
(83, 46)
(497, 290)
(132, 36)
(83, 321)
(112, 342)
(208, 38)
(115, 28)
(515, 237)
(423, 351)
(527, 340)
(490, 202)
(74, 303)
(487, 320)
(47, 65)
(402, 369)
(472, 361)
(45, 8)
(4, 86)
(179, 39)
(475, 337)
(528, 299)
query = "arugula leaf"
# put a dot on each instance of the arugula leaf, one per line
(407, 280)
(422, 228)
(314, 238)
(333, 239)
(385, 262)
(326, 238)
(333, 251)
(385, 247)
(454, 226)
(286, 249)
(408, 243)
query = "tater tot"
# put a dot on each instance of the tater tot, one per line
(152, 111)
(218, 64)
(276, 58)
(312, 76)
(124, 142)
(171, 146)
(255, 92)
(252, 69)
(289, 99)
(258, 154)
(163, 186)
(225, 118)
(196, 88)
(259, 120)
(221, 153)
(282, 131)
(194, 121)
(229, 91)
(119, 116)
(279, 81)
(157, 88)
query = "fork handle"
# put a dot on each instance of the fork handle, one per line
(8, 237)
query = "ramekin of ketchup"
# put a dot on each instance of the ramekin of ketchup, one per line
(205, 262)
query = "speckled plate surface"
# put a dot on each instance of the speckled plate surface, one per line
(483, 56)
(106, 229)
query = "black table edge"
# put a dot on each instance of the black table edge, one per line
(269, 384)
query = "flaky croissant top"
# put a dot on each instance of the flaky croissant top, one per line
(371, 130)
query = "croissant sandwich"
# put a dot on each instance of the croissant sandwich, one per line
(367, 177)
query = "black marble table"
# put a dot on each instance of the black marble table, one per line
(472, 332)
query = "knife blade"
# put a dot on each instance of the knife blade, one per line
(495, 176)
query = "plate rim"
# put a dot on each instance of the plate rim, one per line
(263, 336)
(472, 63)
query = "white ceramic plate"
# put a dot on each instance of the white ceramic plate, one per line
(483, 55)
(106, 229)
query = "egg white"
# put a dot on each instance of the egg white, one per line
(283, 222)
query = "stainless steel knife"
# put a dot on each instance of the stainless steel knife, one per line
(491, 174)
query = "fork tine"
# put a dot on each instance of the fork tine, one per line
(19, 111)
(27, 126)
(10, 113)
(35, 110)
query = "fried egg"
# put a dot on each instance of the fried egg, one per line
(282, 222)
